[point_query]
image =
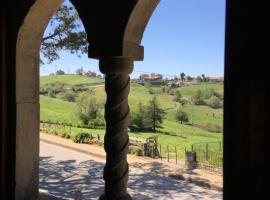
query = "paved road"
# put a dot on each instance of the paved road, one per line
(63, 171)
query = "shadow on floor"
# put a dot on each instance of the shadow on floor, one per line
(63, 178)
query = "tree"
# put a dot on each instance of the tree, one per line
(199, 79)
(154, 114)
(181, 116)
(215, 102)
(65, 32)
(59, 72)
(198, 97)
(178, 96)
(79, 71)
(138, 118)
(86, 108)
(189, 78)
(182, 76)
(203, 78)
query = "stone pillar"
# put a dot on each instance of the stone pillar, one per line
(116, 141)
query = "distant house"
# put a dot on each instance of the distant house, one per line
(216, 79)
(153, 78)
(89, 74)
(176, 83)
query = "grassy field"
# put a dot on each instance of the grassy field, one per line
(170, 133)
(70, 79)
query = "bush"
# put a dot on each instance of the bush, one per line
(64, 134)
(51, 93)
(172, 92)
(67, 96)
(79, 88)
(60, 72)
(214, 102)
(184, 101)
(99, 122)
(56, 87)
(151, 90)
(53, 131)
(82, 137)
(135, 151)
(87, 108)
(178, 96)
(213, 128)
(181, 116)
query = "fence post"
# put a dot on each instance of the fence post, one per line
(160, 151)
(206, 151)
(175, 154)
(168, 153)
(153, 151)
(219, 146)
(192, 147)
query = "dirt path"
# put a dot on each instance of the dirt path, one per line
(200, 176)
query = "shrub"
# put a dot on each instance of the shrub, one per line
(198, 98)
(99, 122)
(172, 92)
(51, 93)
(64, 134)
(79, 88)
(67, 96)
(181, 116)
(214, 102)
(60, 72)
(213, 128)
(53, 131)
(151, 90)
(82, 137)
(135, 151)
(184, 101)
(87, 108)
(178, 96)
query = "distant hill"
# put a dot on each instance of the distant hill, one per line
(203, 116)
(70, 79)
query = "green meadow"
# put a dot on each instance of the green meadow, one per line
(171, 132)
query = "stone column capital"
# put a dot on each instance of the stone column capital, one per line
(115, 65)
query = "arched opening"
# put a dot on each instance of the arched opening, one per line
(188, 37)
(246, 105)
(28, 47)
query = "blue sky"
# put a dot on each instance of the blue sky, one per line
(181, 36)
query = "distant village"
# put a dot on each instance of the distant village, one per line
(155, 78)
(182, 80)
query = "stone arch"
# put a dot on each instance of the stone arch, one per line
(123, 46)
(27, 97)
(138, 20)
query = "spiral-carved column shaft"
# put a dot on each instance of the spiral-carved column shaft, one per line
(116, 141)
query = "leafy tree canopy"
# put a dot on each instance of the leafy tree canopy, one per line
(65, 32)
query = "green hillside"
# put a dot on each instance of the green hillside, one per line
(171, 131)
(70, 79)
(52, 109)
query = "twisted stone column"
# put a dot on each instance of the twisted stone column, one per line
(116, 141)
